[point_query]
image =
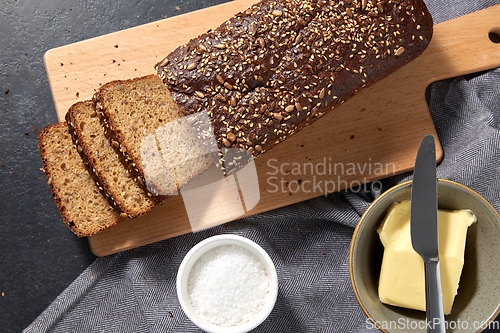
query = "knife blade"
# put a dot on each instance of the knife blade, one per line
(424, 230)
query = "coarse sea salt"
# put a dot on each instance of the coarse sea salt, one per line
(228, 285)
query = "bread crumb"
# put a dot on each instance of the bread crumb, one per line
(177, 8)
(116, 46)
(6, 91)
(3, 294)
(26, 133)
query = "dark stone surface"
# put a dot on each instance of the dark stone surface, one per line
(39, 256)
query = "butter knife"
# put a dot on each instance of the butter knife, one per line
(424, 230)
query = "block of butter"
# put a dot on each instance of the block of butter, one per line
(402, 281)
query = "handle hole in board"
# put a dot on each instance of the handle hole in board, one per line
(494, 35)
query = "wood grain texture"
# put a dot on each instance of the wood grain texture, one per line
(373, 135)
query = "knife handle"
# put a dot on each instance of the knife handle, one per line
(434, 297)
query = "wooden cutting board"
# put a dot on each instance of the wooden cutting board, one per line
(374, 135)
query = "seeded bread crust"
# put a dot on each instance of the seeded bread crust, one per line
(280, 65)
(104, 165)
(83, 209)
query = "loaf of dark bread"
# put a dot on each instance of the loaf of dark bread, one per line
(269, 71)
(104, 164)
(82, 206)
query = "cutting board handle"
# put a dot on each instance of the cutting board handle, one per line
(464, 45)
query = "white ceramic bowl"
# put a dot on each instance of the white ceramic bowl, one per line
(201, 248)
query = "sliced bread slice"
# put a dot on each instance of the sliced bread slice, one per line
(82, 206)
(132, 109)
(104, 164)
(132, 112)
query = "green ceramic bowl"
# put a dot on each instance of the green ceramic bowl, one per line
(478, 300)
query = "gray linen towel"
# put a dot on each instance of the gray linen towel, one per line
(134, 291)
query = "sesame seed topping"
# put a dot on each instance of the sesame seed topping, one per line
(399, 51)
(277, 13)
